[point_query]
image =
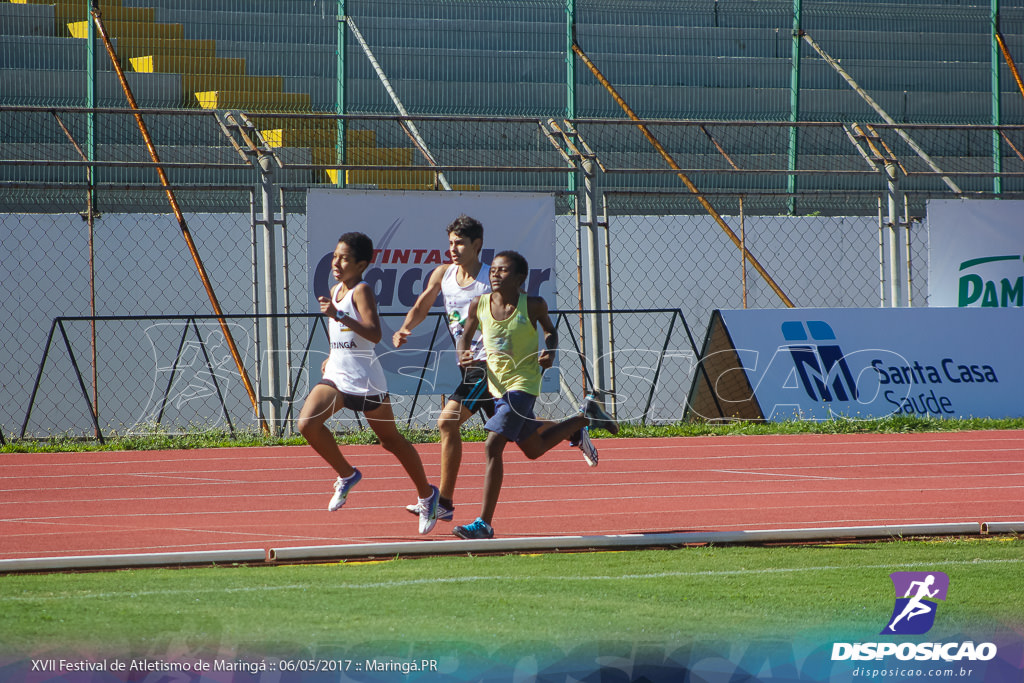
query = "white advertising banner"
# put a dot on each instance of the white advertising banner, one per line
(976, 253)
(410, 241)
(868, 363)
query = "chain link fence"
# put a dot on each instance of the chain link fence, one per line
(138, 349)
(110, 289)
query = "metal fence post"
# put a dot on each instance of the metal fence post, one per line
(339, 102)
(997, 157)
(892, 186)
(794, 102)
(270, 293)
(593, 265)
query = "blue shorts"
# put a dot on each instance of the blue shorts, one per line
(513, 416)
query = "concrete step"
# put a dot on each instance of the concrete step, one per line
(247, 7)
(253, 100)
(117, 29)
(183, 63)
(365, 156)
(74, 10)
(26, 20)
(253, 27)
(131, 46)
(44, 87)
(303, 135)
(42, 52)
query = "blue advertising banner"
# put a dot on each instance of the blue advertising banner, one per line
(816, 364)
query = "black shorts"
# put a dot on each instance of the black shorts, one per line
(472, 391)
(359, 404)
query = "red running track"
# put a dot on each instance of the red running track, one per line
(74, 504)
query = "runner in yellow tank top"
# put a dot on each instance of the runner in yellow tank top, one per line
(508, 320)
(512, 347)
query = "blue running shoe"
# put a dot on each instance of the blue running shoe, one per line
(592, 409)
(428, 510)
(341, 489)
(587, 446)
(478, 529)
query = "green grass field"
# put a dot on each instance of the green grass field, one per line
(520, 603)
(201, 437)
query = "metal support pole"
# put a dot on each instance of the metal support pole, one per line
(594, 266)
(611, 402)
(409, 126)
(254, 251)
(90, 95)
(997, 147)
(579, 290)
(286, 293)
(570, 74)
(339, 97)
(743, 248)
(894, 240)
(794, 104)
(90, 200)
(881, 257)
(909, 258)
(270, 285)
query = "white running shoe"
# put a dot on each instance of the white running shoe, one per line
(444, 514)
(428, 511)
(341, 489)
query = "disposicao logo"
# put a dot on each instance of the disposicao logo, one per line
(913, 614)
(916, 595)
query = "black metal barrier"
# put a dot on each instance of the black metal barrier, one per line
(563, 320)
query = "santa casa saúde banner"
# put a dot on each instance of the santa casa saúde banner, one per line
(818, 364)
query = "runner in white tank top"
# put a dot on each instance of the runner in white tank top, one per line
(353, 379)
(456, 303)
(459, 283)
(352, 367)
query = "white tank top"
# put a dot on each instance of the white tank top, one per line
(352, 365)
(456, 304)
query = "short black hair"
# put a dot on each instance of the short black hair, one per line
(521, 266)
(360, 244)
(467, 227)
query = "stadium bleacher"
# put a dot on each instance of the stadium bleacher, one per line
(924, 62)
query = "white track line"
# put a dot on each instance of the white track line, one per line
(71, 595)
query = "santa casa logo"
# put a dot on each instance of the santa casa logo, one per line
(820, 363)
(916, 596)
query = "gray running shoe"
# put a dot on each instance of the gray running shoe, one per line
(598, 418)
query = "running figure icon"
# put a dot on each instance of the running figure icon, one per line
(916, 604)
(915, 607)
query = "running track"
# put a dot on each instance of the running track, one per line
(80, 504)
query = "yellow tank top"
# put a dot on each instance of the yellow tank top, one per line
(511, 346)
